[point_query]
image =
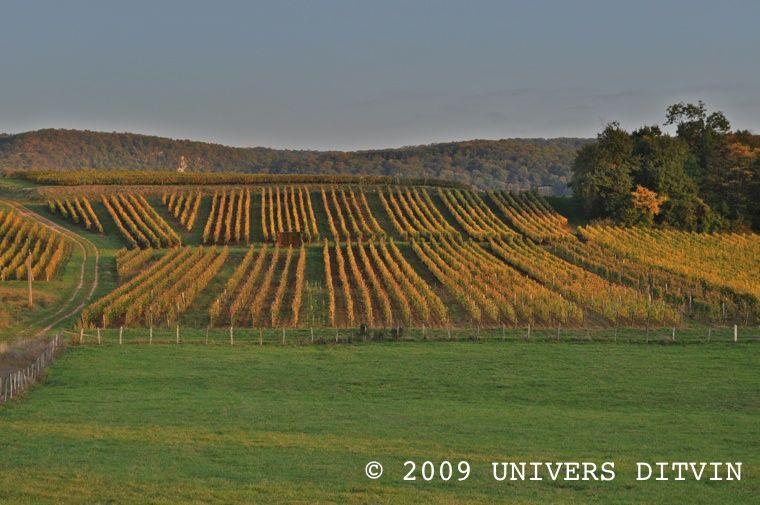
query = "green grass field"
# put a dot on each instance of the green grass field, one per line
(196, 424)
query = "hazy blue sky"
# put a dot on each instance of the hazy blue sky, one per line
(356, 74)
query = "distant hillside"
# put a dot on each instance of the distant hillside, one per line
(487, 164)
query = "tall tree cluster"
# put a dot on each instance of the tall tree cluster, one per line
(703, 178)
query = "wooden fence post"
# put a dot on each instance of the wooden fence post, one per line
(232, 336)
(178, 333)
(736, 334)
(261, 336)
(312, 334)
(150, 337)
(98, 336)
(121, 334)
(29, 278)
(81, 336)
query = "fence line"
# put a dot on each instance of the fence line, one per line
(19, 381)
(179, 335)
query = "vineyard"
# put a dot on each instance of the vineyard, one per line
(131, 261)
(414, 214)
(715, 275)
(138, 222)
(264, 290)
(474, 215)
(393, 256)
(164, 177)
(373, 284)
(22, 240)
(183, 206)
(349, 215)
(531, 216)
(160, 292)
(613, 303)
(78, 210)
(477, 279)
(230, 218)
(287, 209)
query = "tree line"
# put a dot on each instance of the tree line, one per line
(511, 164)
(704, 177)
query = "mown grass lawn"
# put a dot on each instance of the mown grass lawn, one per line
(196, 424)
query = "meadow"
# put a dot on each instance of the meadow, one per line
(196, 424)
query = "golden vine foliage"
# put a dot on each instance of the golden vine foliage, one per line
(79, 210)
(345, 285)
(184, 206)
(698, 299)
(229, 220)
(416, 286)
(165, 177)
(265, 286)
(138, 221)
(531, 215)
(727, 262)
(477, 279)
(287, 209)
(281, 286)
(21, 238)
(413, 213)
(615, 303)
(349, 215)
(391, 293)
(299, 282)
(390, 287)
(329, 283)
(130, 261)
(262, 290)
(381, 295)
(161, 292)
(240, 287)
(474, 215)
(361, 286)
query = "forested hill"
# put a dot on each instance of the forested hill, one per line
(487, 164)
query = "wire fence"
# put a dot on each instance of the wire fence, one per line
(321, 335)
(15, 383)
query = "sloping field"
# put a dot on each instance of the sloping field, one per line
(341, 252)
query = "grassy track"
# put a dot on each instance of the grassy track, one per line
(73, 288)
(169, 424)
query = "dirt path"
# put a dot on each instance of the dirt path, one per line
(84, 244)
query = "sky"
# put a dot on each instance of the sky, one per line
(372, 74)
